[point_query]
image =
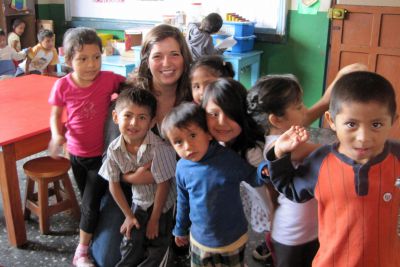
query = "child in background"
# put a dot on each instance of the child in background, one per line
(208, 177)
(148, 225)
(7, 55)
(295, 226)
(14, 40)
(42, 58)
(354, 180)
(205, 70)
(230, 124)
(199, 37)
(86, 94)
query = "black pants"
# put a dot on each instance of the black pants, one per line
(141, 251)
(295, 256)
(91, 187)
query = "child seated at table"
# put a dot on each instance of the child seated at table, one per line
(7, 55)
(42, 58)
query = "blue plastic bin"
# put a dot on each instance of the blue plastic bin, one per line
(243, 44)
(238, 29)
(217, 38)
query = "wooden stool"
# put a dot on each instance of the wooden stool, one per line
(45, 170)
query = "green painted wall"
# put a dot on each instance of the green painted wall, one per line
(304, 54)
(56, 13)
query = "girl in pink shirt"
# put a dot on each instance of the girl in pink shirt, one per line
(86, 95)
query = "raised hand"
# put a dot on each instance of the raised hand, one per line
(290, 140)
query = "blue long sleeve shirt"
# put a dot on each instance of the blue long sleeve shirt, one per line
(209, 198)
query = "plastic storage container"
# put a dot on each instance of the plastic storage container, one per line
(244, 44)
(238, 29)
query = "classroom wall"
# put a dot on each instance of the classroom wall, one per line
(304, 53)
(53, 10)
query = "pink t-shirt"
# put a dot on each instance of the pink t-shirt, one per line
(86, 111)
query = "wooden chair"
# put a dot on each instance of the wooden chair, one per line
(43, 171)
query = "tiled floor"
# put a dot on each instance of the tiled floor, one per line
(57, 248)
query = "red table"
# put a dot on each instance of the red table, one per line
(24, 131)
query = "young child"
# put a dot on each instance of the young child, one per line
(147, 226)
(208, 177)
(205, 70)
(353, 180)
(294, 227)
(86, 94)
(230, 124)
(7, 55)
(42, 58)
(14, 41)
(199, 37)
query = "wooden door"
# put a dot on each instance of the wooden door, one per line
(370, 35)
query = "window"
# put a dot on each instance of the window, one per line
(269, 15)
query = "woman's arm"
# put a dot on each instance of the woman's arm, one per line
(322, 105)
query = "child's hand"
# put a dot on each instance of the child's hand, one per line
(290, 140)
(127, 226)
(56, 146)
(152, 228)
(181, 241)
(140, 175)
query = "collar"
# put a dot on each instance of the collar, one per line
(149, 140)
(371, 162)
(212, 149)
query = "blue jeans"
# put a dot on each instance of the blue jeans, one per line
(105, 248)
(143, 252)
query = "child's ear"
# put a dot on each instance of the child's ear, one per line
(330, 120)
(395, 118)
(274, 120)
(153, 122)
(68, 62)
(115, 116)
(209, 136)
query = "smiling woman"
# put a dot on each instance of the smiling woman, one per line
(164, 70)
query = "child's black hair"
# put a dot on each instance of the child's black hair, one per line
(230, 96)
(75, 38)
(215, 65)
(272, 94)
(137, 96)
(182, 116)
(43, 33)
(362, 87)
(17, 22)
(2, 33)
(212, 23)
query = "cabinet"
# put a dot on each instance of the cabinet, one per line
(9, 14)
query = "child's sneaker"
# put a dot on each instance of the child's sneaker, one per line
(83, 261)
(262, 252)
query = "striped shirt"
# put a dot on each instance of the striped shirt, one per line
(358, 204)
(120, 161)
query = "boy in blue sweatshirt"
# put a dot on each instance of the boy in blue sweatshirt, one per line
(208, 177)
